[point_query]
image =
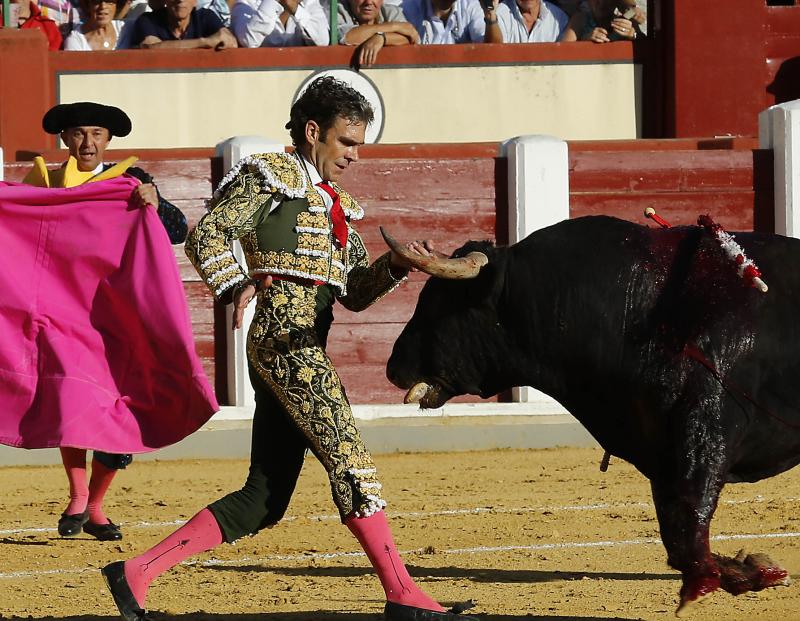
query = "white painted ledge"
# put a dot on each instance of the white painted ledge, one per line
(392, 411)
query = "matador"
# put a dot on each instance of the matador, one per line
(295, 224)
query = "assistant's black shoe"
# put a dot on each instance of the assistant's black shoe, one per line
(103, 532)
(70, 525)
(114, 575)
(398, 612)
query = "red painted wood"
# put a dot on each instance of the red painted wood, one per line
(660, 171)
(716, 66)
(360, 353)
(201, 313)
(782, 51)
(734, 210)
(25, 91)
(663, 144)
(464, 198)
(335, 56)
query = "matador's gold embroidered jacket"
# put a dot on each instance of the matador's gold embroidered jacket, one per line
(294, 239)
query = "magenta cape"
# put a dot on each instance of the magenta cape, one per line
(96, 347)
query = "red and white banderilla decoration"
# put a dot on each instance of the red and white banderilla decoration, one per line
(747, 270)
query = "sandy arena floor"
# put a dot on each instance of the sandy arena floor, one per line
(527, 534)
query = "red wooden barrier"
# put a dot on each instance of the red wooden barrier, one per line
(452, 193)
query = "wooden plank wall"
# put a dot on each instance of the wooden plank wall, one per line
(454, 194)
(447, 200)
(733, 186)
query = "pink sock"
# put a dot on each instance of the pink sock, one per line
(199, 534)
(74, 461)
(375, 537)
(98, 486)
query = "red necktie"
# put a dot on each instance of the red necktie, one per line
(337, 215)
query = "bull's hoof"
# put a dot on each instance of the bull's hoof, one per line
(695, 590)
(750, 572)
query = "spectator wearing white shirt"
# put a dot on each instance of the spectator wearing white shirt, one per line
(530, 21)
(451, 21)
(279, 23)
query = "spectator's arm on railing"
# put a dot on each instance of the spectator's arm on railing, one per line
(222, 39)
(493, 33)
(396, 33)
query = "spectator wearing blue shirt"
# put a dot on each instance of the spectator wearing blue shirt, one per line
(180, 24)
(452, 21)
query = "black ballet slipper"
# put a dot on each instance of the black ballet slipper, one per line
(399, 612)
(103, 532)
(114, 575)
(70, 525)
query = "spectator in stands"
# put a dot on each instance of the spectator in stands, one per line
(131, 10)
(601, 22)
(370, 25)
(100, 30)
(569, 6)
(180, 24)
(279, 23)
(530, 21)
(29, 17)
(221, 7)
(453, 21)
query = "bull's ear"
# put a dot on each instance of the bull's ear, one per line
(439, 265)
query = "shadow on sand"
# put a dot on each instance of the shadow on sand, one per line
(476, 575)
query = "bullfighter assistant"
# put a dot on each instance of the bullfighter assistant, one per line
(295, 226)
(86, 128)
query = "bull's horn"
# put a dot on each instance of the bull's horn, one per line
(416, 392)
(437, 265)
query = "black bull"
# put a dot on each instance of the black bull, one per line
(653, 342)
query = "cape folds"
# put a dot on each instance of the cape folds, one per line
(96, 346)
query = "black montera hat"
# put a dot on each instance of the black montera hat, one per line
(86, 113)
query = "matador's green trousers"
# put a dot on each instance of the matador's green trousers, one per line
(300, 405)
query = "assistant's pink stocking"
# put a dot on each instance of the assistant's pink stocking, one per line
(74, 461)
(375, 537)
(199, 534)
(98, 486)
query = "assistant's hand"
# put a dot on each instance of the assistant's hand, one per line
(242, 296)
(145, 194)
(422, 247)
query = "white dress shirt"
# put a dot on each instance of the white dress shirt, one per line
(546, 29)
(76, 41)
(256, 23)
(464, 24)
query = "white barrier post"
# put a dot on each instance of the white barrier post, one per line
(239, 392)
(538, 196)
(2, 165)
(779, 130)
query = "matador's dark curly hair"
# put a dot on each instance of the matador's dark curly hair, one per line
(325, 100)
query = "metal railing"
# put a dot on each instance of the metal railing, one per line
(7, 13)
(334, 24)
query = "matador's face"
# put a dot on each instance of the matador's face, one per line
(333, 152)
